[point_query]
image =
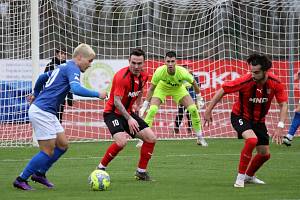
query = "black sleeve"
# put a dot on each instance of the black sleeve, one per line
(70, 99)
(49, 67)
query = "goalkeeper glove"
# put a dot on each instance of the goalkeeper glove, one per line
(200, 101)
(143, 108)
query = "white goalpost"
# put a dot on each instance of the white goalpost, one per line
(213, 37)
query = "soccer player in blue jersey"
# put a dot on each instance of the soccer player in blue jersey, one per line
(50, 91)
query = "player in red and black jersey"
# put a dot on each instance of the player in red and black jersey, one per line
(119, 114)
(256, 91)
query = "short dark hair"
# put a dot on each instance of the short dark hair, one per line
(137, 52)
(257, 59)
(60, 49)
(171, 54)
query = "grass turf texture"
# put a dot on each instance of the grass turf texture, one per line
(182, 170)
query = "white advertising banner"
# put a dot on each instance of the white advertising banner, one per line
(18, 70)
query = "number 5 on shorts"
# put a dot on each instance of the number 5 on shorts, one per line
(241, 122)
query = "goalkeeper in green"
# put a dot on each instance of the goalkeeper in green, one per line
(168, 80)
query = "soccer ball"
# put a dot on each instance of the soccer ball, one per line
(99, 180)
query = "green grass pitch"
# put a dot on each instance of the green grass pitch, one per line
(181, 169)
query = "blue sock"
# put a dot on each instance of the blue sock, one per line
(37, 162)
(295, 124)
(57, 154)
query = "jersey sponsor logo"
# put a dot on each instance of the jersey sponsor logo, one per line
(134, 94)
(258, 100)
(170, 83)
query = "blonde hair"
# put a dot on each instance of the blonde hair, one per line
(85, 50)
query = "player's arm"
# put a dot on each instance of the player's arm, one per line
(132, 123)
(77, 89)
(119, 105)
(199, 98)
(279, 131)
(208, 112)
(282, 99)
(39, 85)
(189, 77)
(196, 87)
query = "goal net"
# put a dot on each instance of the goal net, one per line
(213, 37)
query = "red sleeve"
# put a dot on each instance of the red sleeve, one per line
(280, 93)
(236, 84)
(120, 85)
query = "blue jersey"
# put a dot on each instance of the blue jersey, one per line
(57, 84)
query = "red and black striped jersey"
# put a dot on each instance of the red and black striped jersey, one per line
(255, 99)
(126, 85)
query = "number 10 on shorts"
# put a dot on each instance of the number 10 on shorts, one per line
(115, 122)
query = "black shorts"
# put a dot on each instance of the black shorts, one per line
(117, 123)
(241, 125)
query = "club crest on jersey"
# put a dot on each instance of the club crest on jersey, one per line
(258, 100)
(134, 94)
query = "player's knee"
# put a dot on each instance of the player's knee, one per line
(121, 143)
(48, 151)
(147, 135)
(193, 110)
(150, 138)
(62, 141)
(63, 145)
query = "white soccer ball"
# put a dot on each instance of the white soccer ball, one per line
(99, 180)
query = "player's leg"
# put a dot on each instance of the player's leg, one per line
(190, 125)
(263, 154)
(154, 105)
(43, 125)
(178, 118)
(120, 141)
(188, 102)
(149, 140)
(38, 161)
(61, 146)
(116, 127)
(244, 130)
(287, 140)
(159, 96)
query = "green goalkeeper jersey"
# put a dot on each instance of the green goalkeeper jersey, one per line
(180, 77)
